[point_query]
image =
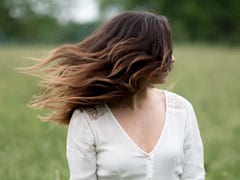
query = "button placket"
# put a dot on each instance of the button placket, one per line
(149, 167)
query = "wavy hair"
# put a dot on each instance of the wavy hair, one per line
(109, 64)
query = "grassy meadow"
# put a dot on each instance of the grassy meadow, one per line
(208, 76)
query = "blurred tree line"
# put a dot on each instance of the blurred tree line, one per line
(34, 21)
(191, 20)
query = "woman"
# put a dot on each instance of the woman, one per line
(120, 126)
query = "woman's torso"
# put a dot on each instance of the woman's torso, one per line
(119, 157)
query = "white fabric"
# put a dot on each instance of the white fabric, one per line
(98, 148)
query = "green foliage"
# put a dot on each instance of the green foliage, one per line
(19, 23)
(192, 20)
(206, 75)
(73, 32)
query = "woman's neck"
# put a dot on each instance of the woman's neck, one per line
(135, 101)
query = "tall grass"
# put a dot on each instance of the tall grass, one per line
(208, 76)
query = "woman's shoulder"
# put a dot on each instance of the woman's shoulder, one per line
(92, 112)
(177, 101)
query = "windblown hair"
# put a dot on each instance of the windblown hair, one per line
(110, 64)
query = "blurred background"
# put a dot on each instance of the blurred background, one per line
(57, 21)
(206, 36)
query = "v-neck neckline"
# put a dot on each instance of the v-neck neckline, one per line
(130, 139)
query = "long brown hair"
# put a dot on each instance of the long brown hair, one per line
(106, 66)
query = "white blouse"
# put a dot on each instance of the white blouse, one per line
(98, 148)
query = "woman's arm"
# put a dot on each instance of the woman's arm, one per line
(193, 160)
(80, 152)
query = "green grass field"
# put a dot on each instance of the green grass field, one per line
(208, 76)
